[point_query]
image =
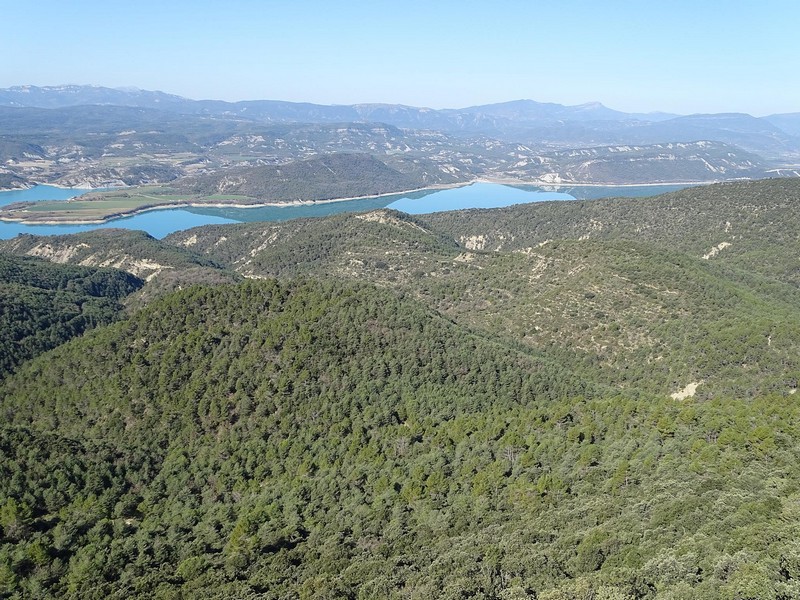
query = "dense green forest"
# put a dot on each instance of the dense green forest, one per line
(43, 304)
(465, 405)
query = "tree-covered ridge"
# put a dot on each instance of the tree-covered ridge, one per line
(163, 266)
(28, 271)
(316, 245)
(328, 177)
(621, 313)
(245, 330)
(321, 439)
(751, 225)
(660, 294)
(633, 304)
(43, 305)
(134, 251)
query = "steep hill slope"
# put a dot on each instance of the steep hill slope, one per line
(256, 367)
(300, 245)
(491, 419)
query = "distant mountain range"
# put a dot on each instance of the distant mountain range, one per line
(517, 110)
(89, 136)
(525, 121)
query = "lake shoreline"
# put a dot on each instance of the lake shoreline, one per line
(48, 220)
(566, 184)
(195, 204)
(83, 188)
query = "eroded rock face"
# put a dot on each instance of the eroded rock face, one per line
(687, 392)
(716, 250)
(67, 253)
(473, 242)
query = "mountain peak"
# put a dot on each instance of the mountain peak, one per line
(591, 105)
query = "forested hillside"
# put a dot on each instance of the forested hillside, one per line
(321, 440)
(335, 176)
(43, 305)
(656, 294)
(751, 225)
(165, 267)
(557, 401)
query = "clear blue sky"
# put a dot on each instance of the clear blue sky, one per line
(673, 55)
